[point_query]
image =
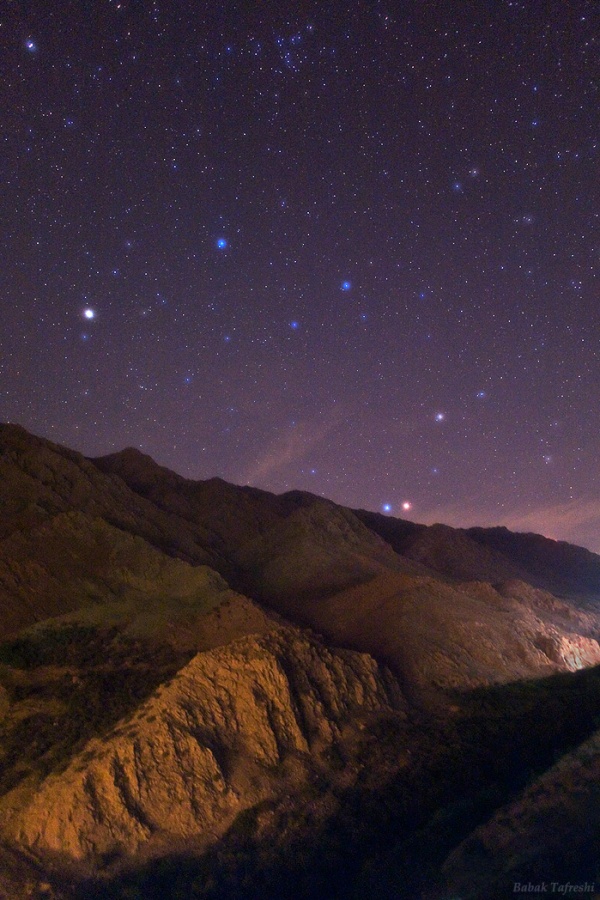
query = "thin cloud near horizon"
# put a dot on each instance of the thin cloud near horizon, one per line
(292, 444)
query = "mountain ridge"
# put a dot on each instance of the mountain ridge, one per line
(143, 612)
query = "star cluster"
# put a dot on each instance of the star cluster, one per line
(351, 248)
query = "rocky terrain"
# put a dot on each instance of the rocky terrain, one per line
(205, 746)
(210, 691)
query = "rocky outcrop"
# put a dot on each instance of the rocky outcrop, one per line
(206, 746)
(434, 635)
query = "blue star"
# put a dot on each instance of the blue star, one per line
(222, 243)
(294, 325)
(346, 285)
(31, 45)
(387, 507)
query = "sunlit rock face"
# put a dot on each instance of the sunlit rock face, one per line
(570, 652)
(206, 745)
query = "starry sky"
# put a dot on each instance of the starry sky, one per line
(346, 247)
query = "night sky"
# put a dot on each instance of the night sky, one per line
(351, 248)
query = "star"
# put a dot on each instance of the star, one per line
(461, 284)
(407, 505)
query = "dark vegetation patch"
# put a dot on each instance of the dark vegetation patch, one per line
(95, 677)
(76, 645)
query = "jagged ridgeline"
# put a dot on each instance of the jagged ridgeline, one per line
(211, 691)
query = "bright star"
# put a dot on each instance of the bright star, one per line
(89, 313)
(387, 507)
(439, 417)
(407, 505)
(31, 45)
(221, 243)
(346, 285)
(294, 325)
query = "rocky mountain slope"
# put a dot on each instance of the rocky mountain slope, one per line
(492, 555)
(208, 690)
(205, 747)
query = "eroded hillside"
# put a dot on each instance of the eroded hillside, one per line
(208, 690)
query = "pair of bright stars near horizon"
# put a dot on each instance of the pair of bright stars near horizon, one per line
(387, 507)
